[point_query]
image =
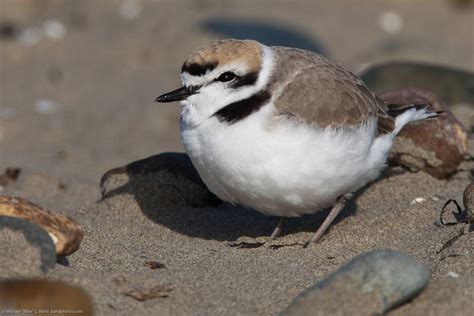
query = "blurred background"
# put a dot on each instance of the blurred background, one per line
(78, 78)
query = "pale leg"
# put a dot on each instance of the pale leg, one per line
(340, 203)
(279, 228)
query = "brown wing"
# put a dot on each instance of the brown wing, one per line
(322, 93)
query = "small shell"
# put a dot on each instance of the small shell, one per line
(64, 231)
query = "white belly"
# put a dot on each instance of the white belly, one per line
(283, 169)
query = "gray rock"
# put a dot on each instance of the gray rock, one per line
(444, 296)
(27, 249)
(452, 85)
(372, 283)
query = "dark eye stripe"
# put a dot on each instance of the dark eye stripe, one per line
(198, 69)
(247, 80)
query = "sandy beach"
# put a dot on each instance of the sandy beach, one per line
(76, 100)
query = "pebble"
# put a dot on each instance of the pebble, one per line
(130, 9)
(63, 230)
(43, 297)
(391, 22)
(27, 249)
(31, 36)
(54, 29)
(45, 106)
(436, 146)
(372, 283)
(10, 174)
(417, 200)
(51, 29)
(453, 274)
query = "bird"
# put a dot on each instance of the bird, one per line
(281, 130)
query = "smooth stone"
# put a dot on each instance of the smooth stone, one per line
(65, 232)
(372, 283)
(27, 249)
(443, 296)
(436, 146)
(44, 297)
(452, 85)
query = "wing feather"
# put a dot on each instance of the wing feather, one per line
(321, 93)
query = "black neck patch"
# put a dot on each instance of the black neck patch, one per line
(241, 109)
(198, 69)
(247, 80)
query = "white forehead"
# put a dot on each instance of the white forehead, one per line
(240, 66)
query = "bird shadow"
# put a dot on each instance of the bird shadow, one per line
(169, 192)
(266, 32)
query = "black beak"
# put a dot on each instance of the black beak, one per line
(176, 95)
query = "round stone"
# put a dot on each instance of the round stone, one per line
(372, 283)
(27, 249)
(436, 146)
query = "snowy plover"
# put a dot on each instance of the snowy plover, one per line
(281, 130)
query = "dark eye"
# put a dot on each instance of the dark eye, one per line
(226, 76)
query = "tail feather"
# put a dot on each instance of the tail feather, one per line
(405, 114)
(395, 109)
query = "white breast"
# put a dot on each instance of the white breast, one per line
(282, 168)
